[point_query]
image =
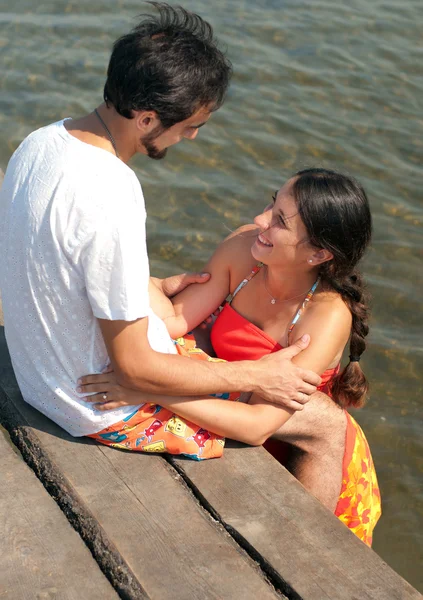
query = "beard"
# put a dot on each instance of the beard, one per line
(148, 143)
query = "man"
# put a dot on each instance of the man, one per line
(74, 272)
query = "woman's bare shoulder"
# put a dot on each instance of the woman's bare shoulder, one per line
(329, 305)
(237, 248)
(327, 319)
(239, 242)
(328, 297)
(244, 234)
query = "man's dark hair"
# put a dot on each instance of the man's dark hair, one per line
(169, 63)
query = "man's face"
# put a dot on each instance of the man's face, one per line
(158, 141)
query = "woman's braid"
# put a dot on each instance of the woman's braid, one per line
(350, 387)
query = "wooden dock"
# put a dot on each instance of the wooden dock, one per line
(84, 521)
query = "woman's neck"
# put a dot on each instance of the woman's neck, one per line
(284, 285)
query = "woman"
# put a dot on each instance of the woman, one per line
(292, 273)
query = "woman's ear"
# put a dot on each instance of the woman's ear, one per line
(320, 256)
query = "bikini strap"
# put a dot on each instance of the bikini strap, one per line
(244, 282)
(303, 305)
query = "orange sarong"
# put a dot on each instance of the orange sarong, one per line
(359, 504)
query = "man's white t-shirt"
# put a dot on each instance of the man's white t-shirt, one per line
(73, 249)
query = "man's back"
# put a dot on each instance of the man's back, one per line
(66, 209)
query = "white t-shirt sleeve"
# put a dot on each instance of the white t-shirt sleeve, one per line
(114, 258)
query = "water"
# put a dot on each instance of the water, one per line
(316, 83)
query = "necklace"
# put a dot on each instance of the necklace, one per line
(111, 138)
(273, 300)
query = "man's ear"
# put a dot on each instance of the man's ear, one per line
(320, 256)
(146, 121)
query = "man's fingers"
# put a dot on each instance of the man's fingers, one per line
(296, 348)
(298, 401)
(198, 277)
(292, 405)
(307, 388)
(177, 283)
(301, 398)
(310, 377)
(186, 279)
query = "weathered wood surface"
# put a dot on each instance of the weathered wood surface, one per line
(149, 533)
(141, 521)
(315, 554)
(41, 556)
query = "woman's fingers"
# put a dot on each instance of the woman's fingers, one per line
(94, 387)
(102, 398)
(96, 383)
(110, 405)
(105, 401)
(98, 378)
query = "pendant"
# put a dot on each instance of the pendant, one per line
(273, 301)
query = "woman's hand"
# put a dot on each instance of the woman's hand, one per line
(107, 393)
(202, 334)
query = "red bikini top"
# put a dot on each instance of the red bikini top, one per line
(235, 338)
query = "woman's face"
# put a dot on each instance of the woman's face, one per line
(283, 238)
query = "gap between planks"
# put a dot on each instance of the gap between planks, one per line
(268, 572)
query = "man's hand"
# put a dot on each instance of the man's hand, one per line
(282, 382)
(170, 286)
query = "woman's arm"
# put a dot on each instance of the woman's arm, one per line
(161, 290)
(190, 307)
(251, 424)
(248, 423)
(160, 303)
(194, 304)
(197, 302)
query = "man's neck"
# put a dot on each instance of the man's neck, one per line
(90, 130)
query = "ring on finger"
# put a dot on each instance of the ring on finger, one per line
(104, 396)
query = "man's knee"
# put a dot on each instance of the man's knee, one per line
(322, 420)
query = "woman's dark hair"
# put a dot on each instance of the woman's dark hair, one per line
(168, 63)
(335, 211)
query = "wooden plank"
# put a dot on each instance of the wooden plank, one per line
(261, 503)
(136, 512)
(41, 556)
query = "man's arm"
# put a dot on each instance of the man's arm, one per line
(137, 366)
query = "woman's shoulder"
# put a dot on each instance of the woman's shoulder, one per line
(243, 235)
(238, 243)
(237, 250)
(329, 305)
(327, 319)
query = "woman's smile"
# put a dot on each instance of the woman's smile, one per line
(264, 241)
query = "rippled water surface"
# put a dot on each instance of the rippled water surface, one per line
(320, 82)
